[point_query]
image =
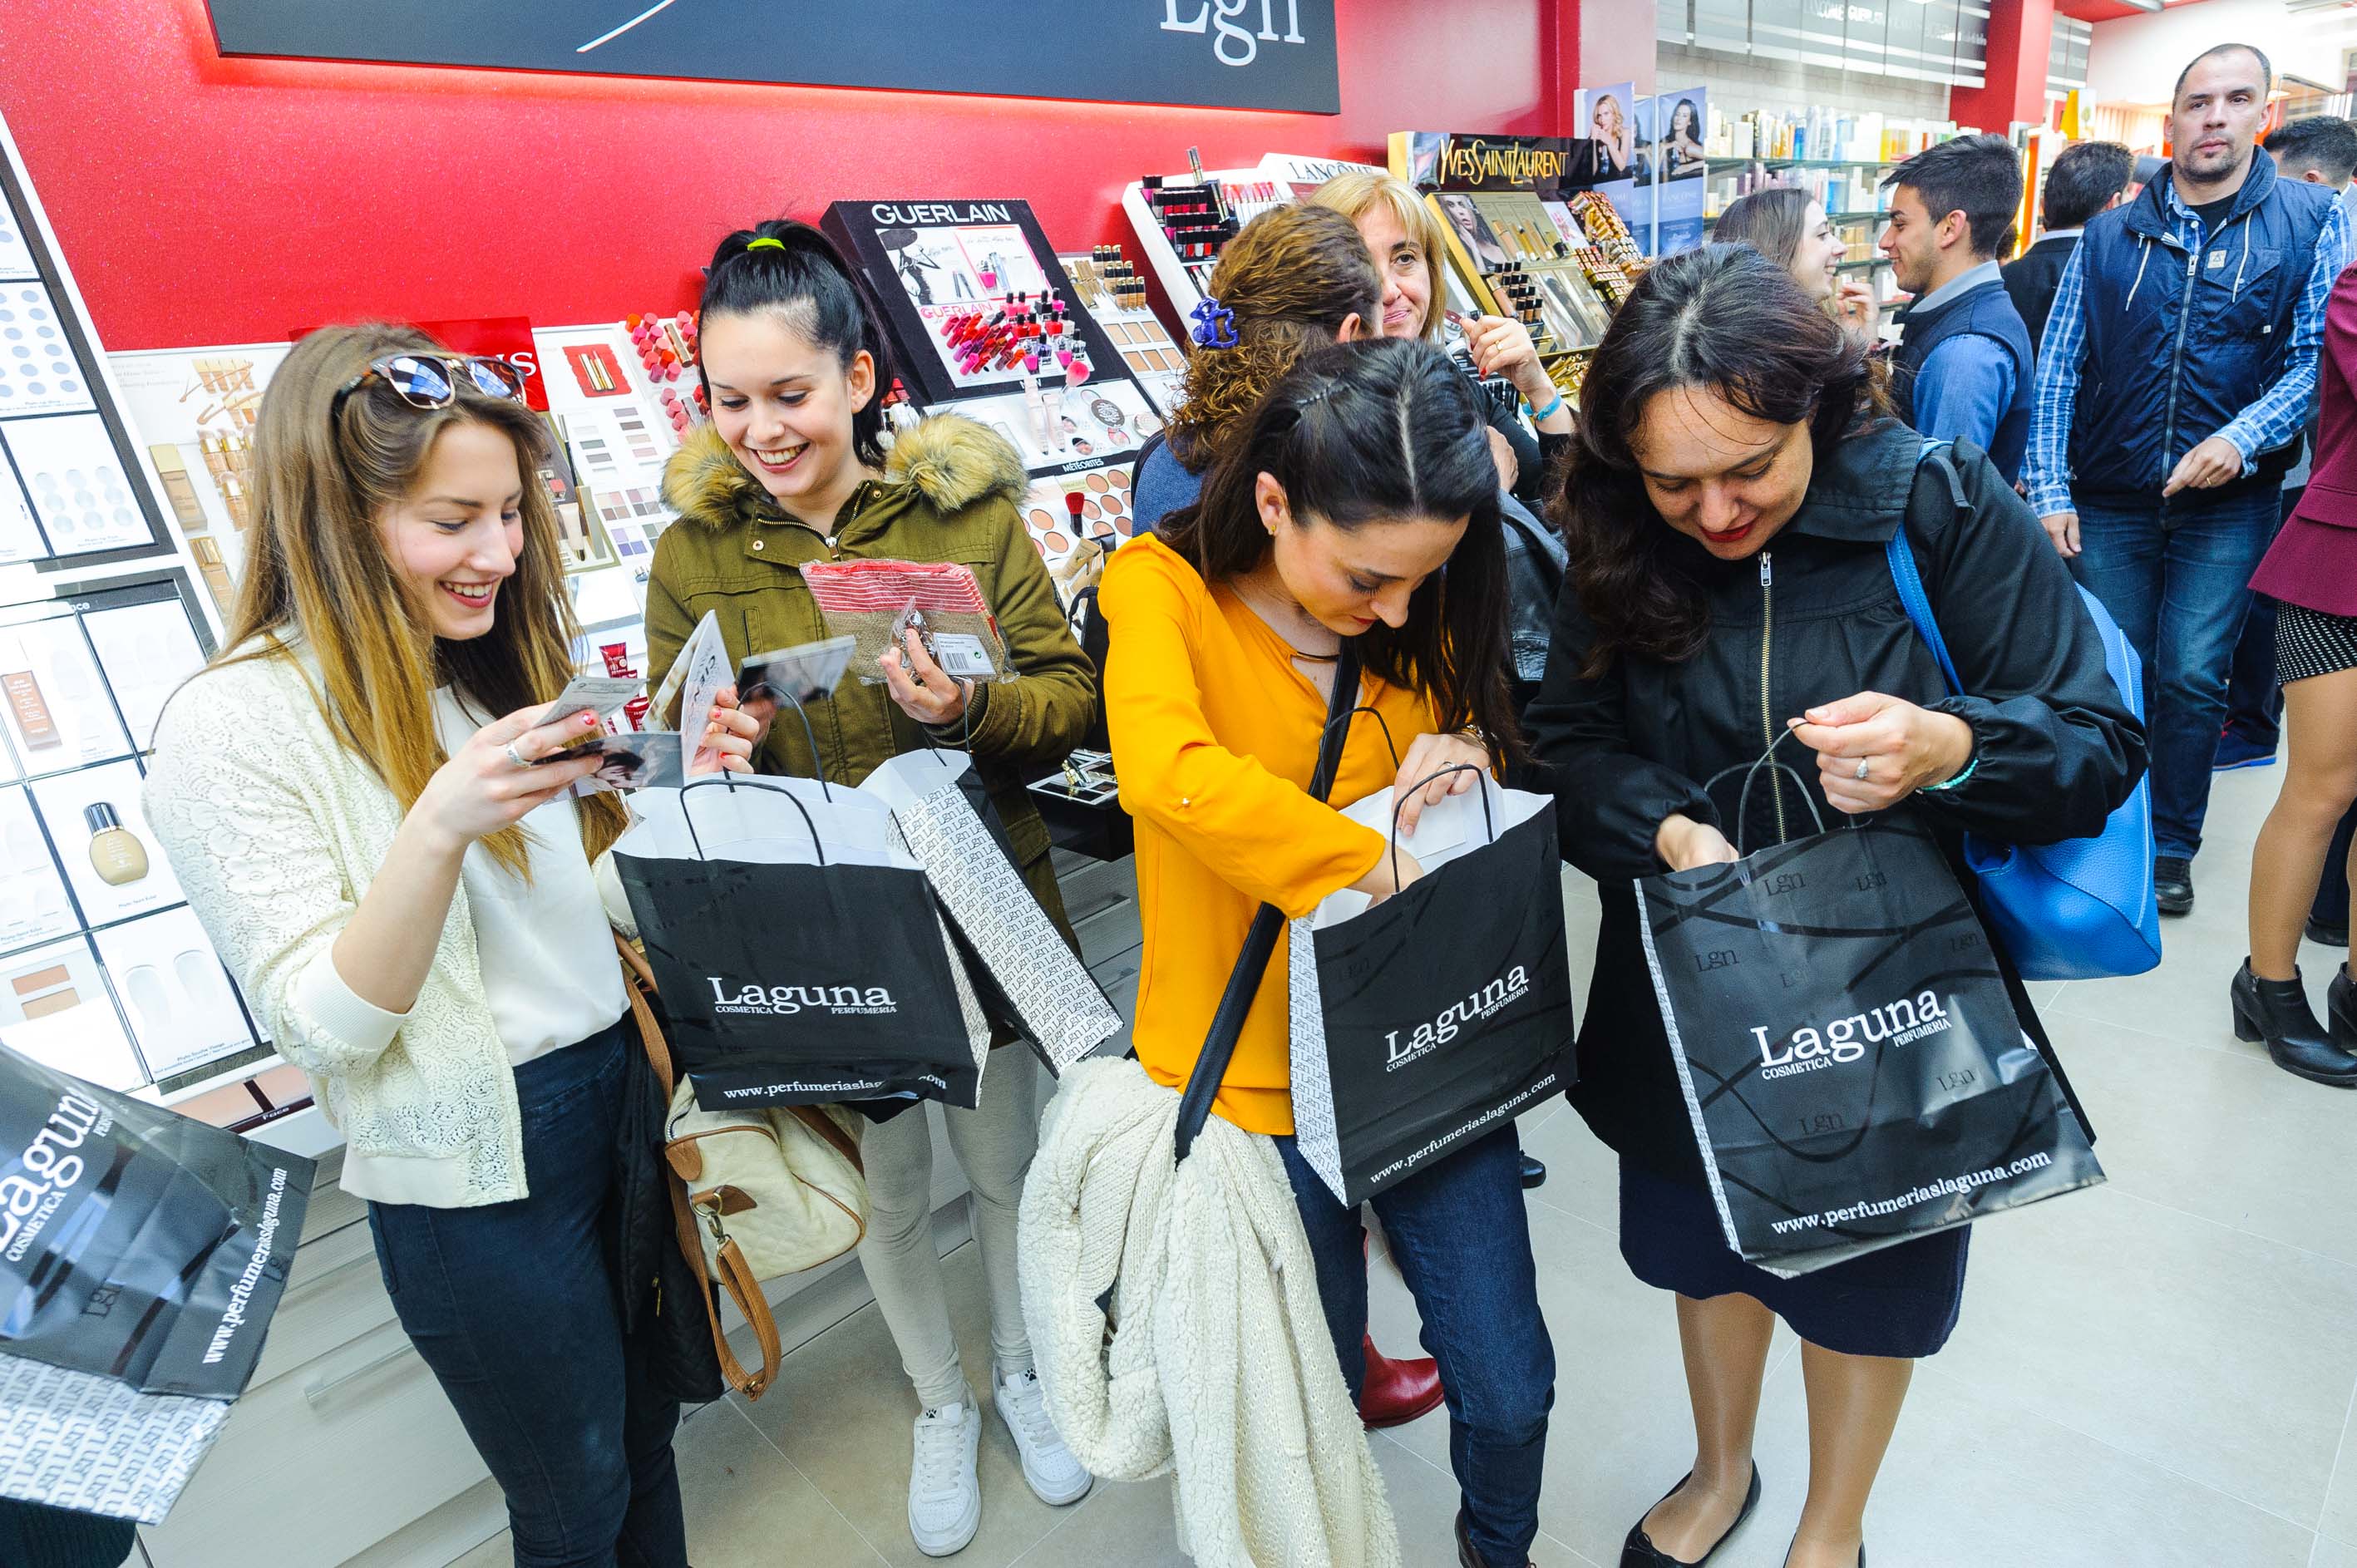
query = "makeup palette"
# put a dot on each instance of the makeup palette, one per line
(76, 482)
(1062, 512)
(1110, 285)
(56, 1008)
(16, 257)
(38, 373)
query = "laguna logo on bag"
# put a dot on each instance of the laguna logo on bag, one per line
(1508, 988)
(28, 1201)
(1899, 1022)
(783, 1000)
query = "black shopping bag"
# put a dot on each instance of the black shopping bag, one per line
(1856, 1071)
(137, 1244)
(800, 953)
(1424, 1022)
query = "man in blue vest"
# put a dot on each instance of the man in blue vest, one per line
(1962, 369)
(2190, 319)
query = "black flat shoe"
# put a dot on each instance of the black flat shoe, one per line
(1861, 1554)
(1534, 1173)
(1466, 1556)
(2340, 1008)
(2172, 885)
(1639, 1550)
(2276, 1011)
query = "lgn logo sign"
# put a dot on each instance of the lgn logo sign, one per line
(1233, 43)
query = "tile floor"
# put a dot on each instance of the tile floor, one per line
(2156, 1374)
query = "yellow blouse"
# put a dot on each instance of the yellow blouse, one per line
(1214, 739)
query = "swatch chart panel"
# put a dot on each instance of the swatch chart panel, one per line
(38, 373)
(16, 257)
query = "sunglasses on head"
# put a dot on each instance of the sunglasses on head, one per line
(432, 381)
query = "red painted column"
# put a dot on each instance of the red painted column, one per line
(2020, 36)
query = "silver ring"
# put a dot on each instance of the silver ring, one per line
(1861, 769)
(516, 756)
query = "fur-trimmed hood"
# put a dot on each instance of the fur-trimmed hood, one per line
(949, 461)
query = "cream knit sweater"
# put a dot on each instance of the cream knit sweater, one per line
(275, 827)
(1219, 1363)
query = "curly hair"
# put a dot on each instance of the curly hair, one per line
(1292, 277)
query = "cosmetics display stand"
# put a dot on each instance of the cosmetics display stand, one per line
(1181, 220)
(986, 322)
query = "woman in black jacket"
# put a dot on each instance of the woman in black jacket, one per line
(1727, 508)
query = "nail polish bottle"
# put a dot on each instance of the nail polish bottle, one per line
(115, 852)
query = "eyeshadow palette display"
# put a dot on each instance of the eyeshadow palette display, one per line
(1182, 221)
(1111, 289)
(974, 298)
(70, 481)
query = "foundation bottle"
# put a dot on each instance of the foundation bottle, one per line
(115, 852)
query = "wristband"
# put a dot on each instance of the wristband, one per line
(1538, 414)
(1959, 778)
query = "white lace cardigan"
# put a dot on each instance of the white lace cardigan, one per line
(275, 827)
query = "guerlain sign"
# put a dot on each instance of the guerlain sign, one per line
(1227, 54)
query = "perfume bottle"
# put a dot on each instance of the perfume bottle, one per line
(115, 852)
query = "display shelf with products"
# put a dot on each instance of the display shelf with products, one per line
(1182, 221)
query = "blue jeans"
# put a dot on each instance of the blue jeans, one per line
(2179, 594)
(513, 1306)
(1462, 1240)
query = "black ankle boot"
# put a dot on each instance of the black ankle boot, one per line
(2276, 1011)
(2340, 1008)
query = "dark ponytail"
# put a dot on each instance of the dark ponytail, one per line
(1361, 435)
(804, 276)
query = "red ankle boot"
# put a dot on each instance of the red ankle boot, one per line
(1397, 1391)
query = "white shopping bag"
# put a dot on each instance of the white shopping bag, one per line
(1020, 964)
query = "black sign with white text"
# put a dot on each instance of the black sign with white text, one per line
(1227, 54)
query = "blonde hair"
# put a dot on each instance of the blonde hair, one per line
(1291, 278)
(1354, 192)
(316, 568)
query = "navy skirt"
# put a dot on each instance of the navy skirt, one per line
(1901, 1301)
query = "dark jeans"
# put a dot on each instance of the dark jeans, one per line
(2179, 594)
(2254, 701)
(1460, 1236)
(513, 1306)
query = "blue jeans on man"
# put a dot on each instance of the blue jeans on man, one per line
(1462, 1240)
(2178, 592)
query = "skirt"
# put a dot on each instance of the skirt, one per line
(2310, 642)
(1901, 1301)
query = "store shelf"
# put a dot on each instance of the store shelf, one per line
(1824, 163)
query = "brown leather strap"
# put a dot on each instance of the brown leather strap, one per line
(736, 1279)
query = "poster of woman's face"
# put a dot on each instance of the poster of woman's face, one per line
(1610, 119)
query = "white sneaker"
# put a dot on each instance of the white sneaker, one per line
(945, 1494)
(1048, 1464)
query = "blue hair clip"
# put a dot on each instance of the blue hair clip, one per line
(1215, 324)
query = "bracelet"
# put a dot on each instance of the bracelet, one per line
(1538, 414)
(1952, 783)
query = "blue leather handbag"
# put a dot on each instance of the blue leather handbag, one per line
(2084, 909)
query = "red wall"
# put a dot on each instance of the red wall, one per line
(201, 200)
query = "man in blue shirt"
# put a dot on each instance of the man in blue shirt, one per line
(1962, 369)
(2194, 314)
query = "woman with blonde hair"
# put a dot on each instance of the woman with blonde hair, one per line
(1410, 247)
(378, 832)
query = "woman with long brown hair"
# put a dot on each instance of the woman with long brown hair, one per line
(1792, 229)
(380, 836)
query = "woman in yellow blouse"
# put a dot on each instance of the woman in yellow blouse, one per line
(1365, 474)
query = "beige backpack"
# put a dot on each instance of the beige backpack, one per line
(763, 1190)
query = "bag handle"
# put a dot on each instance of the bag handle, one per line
(730, 784)
(1268, 920)
(818, 761)
(1750, 772)
(1488, 821)
(736, 1277)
